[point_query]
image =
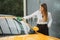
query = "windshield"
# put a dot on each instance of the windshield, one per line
(12, 26)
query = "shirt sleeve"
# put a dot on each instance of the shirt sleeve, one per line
(32, 15)
(50, 19)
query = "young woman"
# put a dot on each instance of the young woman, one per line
(44, 19)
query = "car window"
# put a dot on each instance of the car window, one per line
(19, 25)
(26, 28)
(13, 26)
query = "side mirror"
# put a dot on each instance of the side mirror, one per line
(35, 28)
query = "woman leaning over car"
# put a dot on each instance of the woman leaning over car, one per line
(44, 18)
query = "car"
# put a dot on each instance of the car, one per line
(14, 28)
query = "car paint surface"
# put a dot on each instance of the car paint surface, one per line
(38, 36)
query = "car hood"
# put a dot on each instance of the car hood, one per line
(38, 36)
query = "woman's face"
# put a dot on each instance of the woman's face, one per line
(41, 9)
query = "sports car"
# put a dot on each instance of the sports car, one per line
(14, 28)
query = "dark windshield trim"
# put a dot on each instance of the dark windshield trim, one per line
(17, 20)
(1, 29)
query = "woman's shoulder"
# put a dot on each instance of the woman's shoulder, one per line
(37, 11)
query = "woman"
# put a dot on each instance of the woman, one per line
(44, 19)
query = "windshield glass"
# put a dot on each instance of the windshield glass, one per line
(12, 26)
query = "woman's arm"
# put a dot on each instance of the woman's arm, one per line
(50, 19)
(32, 15)
(29, 16)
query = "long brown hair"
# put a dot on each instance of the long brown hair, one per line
(44, 5)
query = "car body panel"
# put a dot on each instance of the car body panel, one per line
(38, 36)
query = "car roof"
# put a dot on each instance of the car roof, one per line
(7, 16)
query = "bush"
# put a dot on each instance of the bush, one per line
(11, 7)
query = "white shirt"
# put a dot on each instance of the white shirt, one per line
(39, 18)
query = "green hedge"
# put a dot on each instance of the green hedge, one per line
(11, 7)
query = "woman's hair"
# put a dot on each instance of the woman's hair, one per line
(44, 5)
